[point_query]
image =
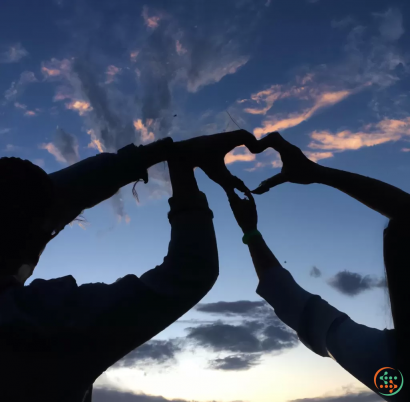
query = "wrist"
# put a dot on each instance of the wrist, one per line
(156, 152)
(319, 174)
(251, 236)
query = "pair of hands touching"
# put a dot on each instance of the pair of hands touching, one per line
(208, 153)
(297, 168)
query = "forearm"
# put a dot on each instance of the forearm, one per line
(262, 257)
(388, 200)
(95, 179)
(191, 266)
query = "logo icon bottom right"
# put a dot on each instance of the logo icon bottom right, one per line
(388, 381)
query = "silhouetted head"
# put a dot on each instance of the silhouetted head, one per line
(396, 246)
(26, 198)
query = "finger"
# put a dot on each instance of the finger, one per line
(266, 185)
(275, 141)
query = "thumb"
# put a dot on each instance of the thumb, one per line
(280, 178)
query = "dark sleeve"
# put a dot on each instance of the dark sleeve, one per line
(102, 323)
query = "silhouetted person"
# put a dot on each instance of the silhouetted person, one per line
(360, 350)
(57, 337)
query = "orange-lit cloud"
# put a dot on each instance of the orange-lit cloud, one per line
(95, 142)
(146, 135)
(56, 68)
(50, 71)
(81, 107)
(150, 21)
(317, 156)
(405, 150)
(372, 134)
(134, 55)
(52, 149)
(111, 72)
(245, 156)
(321, 101)
(30, 113)
(179, 48)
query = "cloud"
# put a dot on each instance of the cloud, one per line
(13, 54)
(114, 130)
(150, 21)
(20, 106)
(17, 87)
(244, 308)
(155, 351)
(317, 156)
(315, 272)
(391, 24)
(64, 148)
(146, 135)
(111, 72)
(210, 67)
(134, 55)
(55, 69)
(405, 150)
(179, 48)
(4, 130)
(30, 113)
(79, 106)
(384, 131)
(235, 362)
(95, 142)
(245, 156)
(321, 101)
(248, 337)
(363, 396)
(352, 284)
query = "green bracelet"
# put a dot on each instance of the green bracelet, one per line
(247, 236)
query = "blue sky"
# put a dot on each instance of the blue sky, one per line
(331, 76)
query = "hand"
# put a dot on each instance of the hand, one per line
(297, 168)
(244, 211)
(208, 152)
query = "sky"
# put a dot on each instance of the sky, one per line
(81, 77)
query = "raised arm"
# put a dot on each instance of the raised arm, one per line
(388, 200)
(325, 330)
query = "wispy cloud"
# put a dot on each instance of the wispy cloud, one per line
(64, 147)
(13, 54)
(18, 87)
(321, 100)
(372, 134)
(179, 48)
(4, 130)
